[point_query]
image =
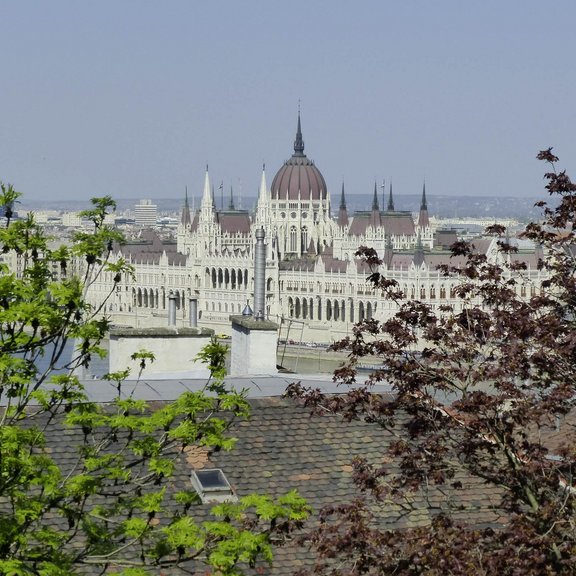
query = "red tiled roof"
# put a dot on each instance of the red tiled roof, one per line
(234, 222)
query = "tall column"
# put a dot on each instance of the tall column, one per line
(171, 309)
(193, 312)
(260, 276)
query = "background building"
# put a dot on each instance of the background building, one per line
(145, 213)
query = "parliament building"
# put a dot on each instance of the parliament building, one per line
(316, 286)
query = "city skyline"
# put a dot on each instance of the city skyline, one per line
(132, 99)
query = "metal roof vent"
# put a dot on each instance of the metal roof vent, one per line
(212, 486)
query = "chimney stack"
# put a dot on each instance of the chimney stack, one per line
(260, 276)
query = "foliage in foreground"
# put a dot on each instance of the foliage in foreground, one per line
(477, 391)
(115, 504)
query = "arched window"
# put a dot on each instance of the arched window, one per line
(336, 310)
(304, 308)
(343, 311)
(293, 239)
(311, 309)
(297, 308)
(290, 307)
(304, 238)
(361, 314)
(369, 311)
(328, 310)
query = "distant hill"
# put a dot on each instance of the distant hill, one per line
(441, 206)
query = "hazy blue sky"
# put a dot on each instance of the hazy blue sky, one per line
(133, 98)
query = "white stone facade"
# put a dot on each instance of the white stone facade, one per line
(314, 282)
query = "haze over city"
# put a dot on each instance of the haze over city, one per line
(134, 98)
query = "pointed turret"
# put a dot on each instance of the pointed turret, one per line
(185, 219)
(390, 207)
(388, 251)
(375, 205)
(206, 195)
(207, 207)
(342, 211)
(263, 208)
(423, 219)
(375, 220)
(263, 197)
(418, 252)
(311, 248)
(299, 142)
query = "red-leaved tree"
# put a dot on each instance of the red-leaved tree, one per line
(483, 394)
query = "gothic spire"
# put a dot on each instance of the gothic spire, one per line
(342, 198)
(423, 218)
(424, 205)
(185, 219)
(390, 199)
(375, 199)
(207, 207)
(299, 142)
(418, 251)
(375, 219)
(342, 212)
(263, 191)
(263, 213)
(207, 195)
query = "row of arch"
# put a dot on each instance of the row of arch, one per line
(229, 279)
(157, 298)
(330, 309)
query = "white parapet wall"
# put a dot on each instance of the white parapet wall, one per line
(175, 350)
(254, 344)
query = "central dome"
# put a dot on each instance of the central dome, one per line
(298, 178)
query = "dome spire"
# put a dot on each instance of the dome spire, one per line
(299, 142)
